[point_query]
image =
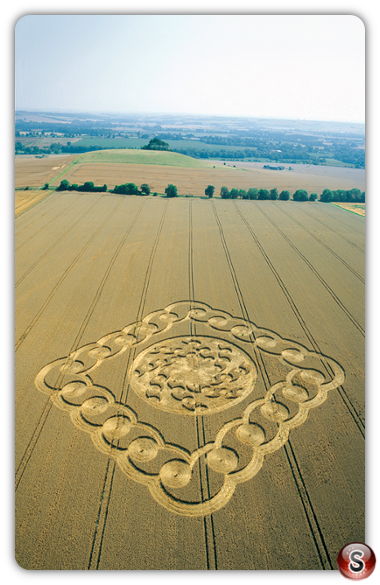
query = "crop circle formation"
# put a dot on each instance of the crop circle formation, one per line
(187, 375)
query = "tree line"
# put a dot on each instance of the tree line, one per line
(57, 148)
(125, 189)
(339, 195)
(290, 155)
(88, 186)
(279, 146)
(327, 196)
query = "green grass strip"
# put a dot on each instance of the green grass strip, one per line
(63, 172)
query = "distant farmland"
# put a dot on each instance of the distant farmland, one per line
(192, 176)
(192, 365)
(131, 143)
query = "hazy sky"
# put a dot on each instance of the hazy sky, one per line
(304, 67)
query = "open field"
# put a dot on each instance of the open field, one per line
(195, 181)
(35, 172)
(316, 174)
(187, 180)
(189, 383)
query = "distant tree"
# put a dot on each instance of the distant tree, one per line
(87, 186)
(145, 189)
(127, 189)
(55, 148)
(273, 194)
(224, 193)
(243, 194)
(326, 196)
(353, 195)
(46, 186)
(171, 191)
(18, 146)
(156, 144)
(362, 197)
(339, 195)
(131, 189)
(209, 191)
(252, 193)
(313, 197)
(234, 193)
(300, 195)
(284, 196)
(263, 194)
(64, 186)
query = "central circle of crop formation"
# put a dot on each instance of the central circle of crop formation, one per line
(193, 375)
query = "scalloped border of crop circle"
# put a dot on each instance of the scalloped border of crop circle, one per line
(114, 344)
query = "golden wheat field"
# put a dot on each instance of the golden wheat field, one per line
(189, 380)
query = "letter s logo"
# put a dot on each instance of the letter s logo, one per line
(356, 565)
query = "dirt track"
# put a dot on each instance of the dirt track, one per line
(168, 356)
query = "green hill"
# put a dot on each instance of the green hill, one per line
(142, 157)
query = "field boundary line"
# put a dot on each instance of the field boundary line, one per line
(324, 245)
(315, 271)
(357, 419)
(303, 495)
